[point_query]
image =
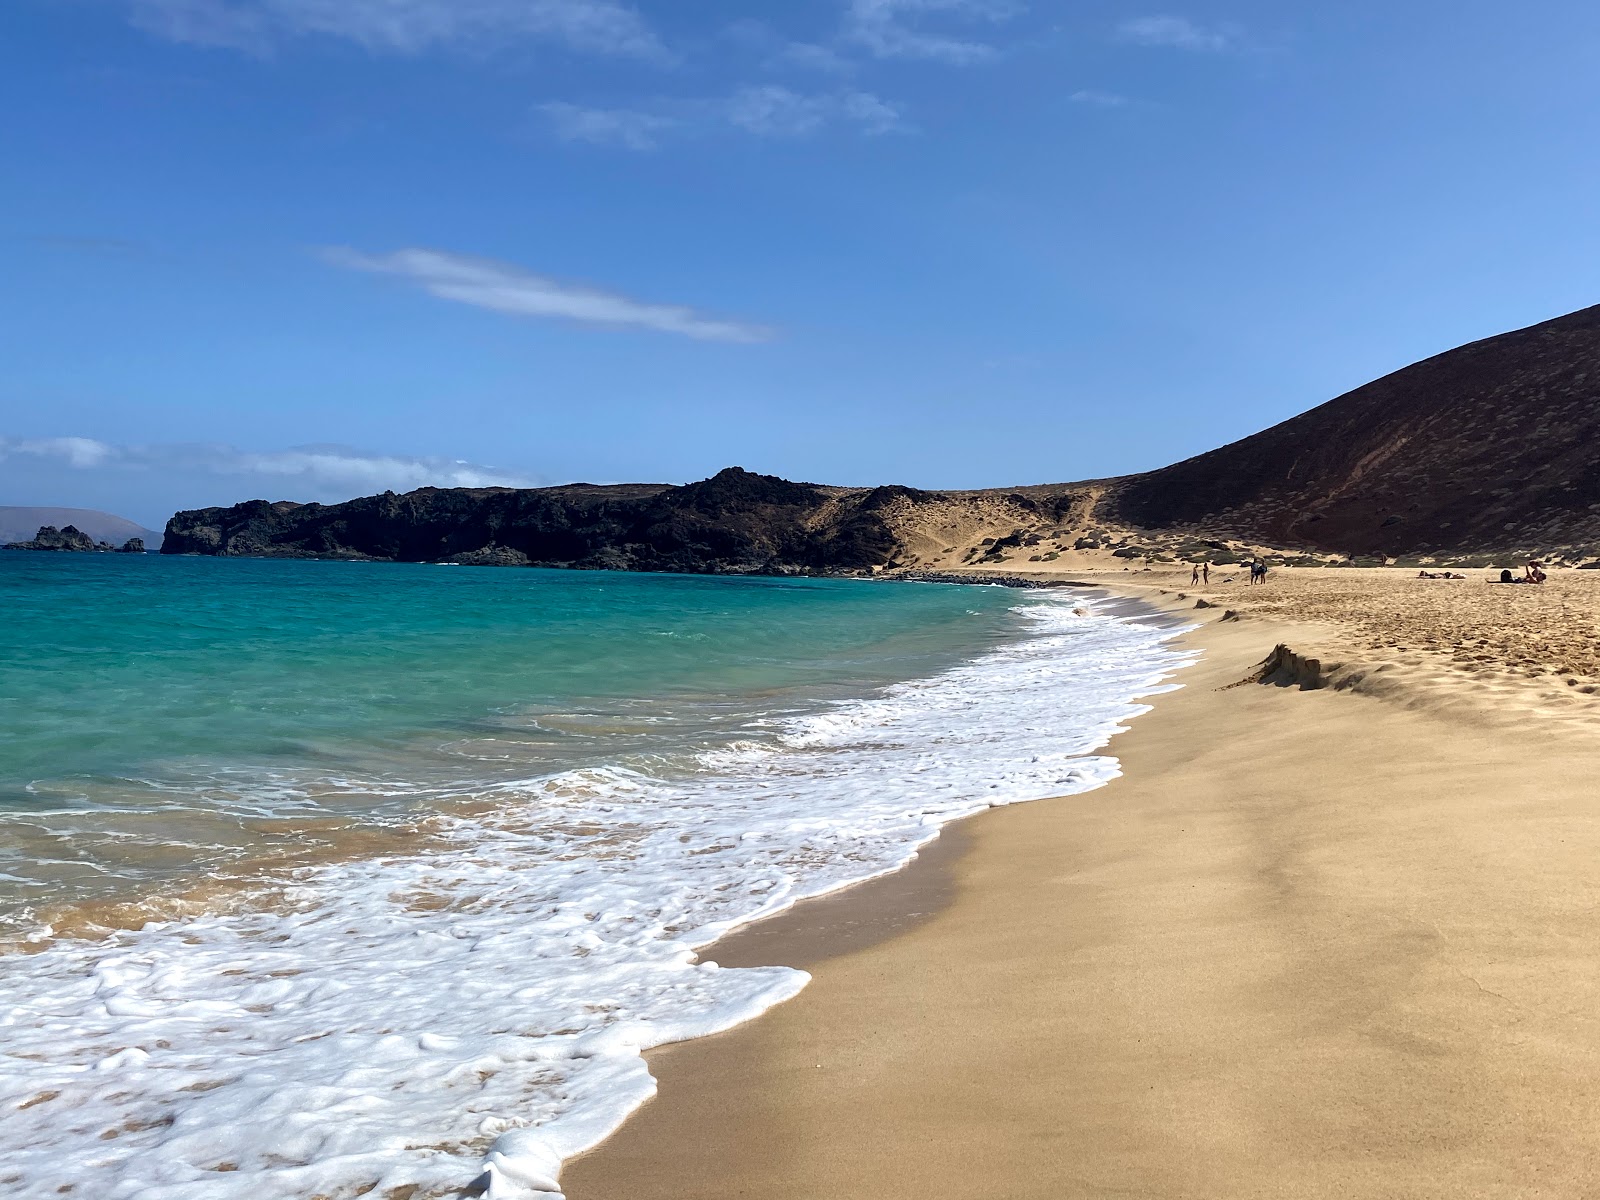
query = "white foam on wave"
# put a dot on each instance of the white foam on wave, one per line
(478, 1014)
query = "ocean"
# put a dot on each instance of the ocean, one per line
(337, 879)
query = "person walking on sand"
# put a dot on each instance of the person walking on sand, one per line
(1194, 575)
(1205, 572)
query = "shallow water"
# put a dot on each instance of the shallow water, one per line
(169, 715)
(462, 831)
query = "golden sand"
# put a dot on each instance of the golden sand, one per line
(1341, 942)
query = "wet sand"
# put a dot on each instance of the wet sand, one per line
(1335, 942)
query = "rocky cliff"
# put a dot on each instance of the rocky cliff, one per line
(1493, 448)
(735, 522)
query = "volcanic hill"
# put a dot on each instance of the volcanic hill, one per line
(1492, 446)
(1489, 449)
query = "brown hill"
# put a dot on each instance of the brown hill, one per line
(1492, 446)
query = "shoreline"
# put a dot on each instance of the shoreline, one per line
(596, 961)
(1229, 972)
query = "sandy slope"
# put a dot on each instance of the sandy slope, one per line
(1470, 628)
(1315, 943)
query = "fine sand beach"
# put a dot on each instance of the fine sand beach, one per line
(1331, 934)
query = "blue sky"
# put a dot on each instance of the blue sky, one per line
(309, 249)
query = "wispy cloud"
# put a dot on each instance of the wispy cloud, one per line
(779, 112)
(337, 471)
(626, 127)
(1177, 32)
(507, 288)
(767, 111)
(402, 26)
(894, 29)
(814, 56)
(1098, 99)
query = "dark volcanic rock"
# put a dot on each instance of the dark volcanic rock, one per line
(50, 538)
(133, 546)
(1495, 445)
(735, 522)
(1491, 448)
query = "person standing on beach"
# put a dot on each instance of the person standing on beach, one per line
(1194, 575)
(1205, 572)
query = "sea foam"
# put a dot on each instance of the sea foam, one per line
(477, 1014)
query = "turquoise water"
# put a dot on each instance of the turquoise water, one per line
(389, 874)
(167, 715)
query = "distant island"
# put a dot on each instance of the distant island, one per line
(18, 524)
(74, 540)
(1488, 449)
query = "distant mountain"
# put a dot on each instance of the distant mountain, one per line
(1492, 446)
(20, 524)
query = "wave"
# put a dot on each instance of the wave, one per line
(477, 1014)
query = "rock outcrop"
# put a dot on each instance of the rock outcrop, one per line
(74, 540)
(1493, 448)
(18, 523)
(735, 522)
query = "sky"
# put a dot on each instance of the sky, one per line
(313, 249)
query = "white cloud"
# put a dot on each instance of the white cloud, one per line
(1178, 32)
(890, 29)
(401, 26)
(1098, 99)
(607, 126)
(320, 470)
(74, 451)
(766, 111)
(506, 288)
(773, 111)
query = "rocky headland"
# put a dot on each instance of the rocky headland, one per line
(1485, 451)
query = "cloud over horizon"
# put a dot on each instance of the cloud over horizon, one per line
(323, 471)
(506, 288)
(605, 27)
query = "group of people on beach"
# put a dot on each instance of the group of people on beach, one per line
(1201, 574)
(1532, 573)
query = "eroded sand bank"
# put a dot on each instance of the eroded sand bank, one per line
(1314, 943)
